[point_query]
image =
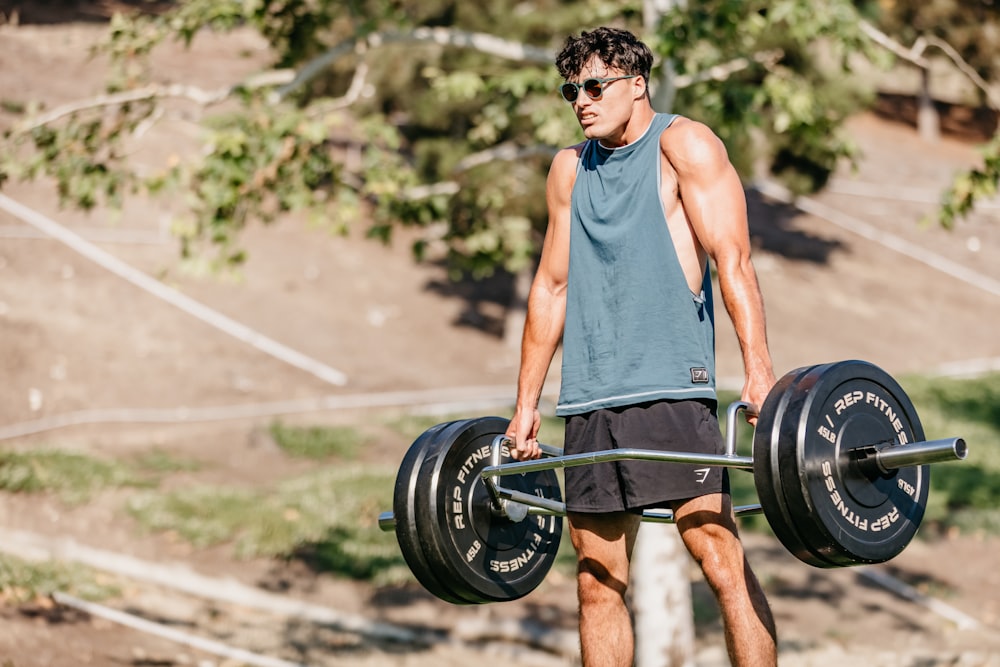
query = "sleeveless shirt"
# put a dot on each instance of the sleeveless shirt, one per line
(634, 331)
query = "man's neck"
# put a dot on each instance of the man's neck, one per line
(636, 126)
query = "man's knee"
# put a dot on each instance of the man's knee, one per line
(597, 584)
(724, 571)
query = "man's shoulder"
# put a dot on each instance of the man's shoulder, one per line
(569, 156)
(574, 150)
(689, 139)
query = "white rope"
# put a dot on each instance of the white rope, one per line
(430, 401)
(907, 592)
(172, 634)
(172, 296)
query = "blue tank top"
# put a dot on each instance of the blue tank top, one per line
(635, 332)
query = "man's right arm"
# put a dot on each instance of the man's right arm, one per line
(543, 326)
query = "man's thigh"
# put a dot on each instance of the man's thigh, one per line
(604, 543)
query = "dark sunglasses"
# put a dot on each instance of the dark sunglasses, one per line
(593, 87)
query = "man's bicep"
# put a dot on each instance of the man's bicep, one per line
(554, 264)
(710, 188)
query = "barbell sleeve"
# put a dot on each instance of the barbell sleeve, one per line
(891, 457)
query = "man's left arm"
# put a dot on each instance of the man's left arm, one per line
(715, 204)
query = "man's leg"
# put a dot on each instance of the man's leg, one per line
(603, 544)
(708, 529)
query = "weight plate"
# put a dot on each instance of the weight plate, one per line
(404, 510)
(766, 468)
(484, 556)
(845, 514)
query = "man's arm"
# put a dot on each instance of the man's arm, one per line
(543, 326)
(715, 205)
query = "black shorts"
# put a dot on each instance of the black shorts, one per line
(632, 485)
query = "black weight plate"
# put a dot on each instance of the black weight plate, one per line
(767, 443)
(484, 556)
(786, 467)
(844, 514)
(404, 510)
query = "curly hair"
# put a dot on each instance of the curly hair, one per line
(616, 48)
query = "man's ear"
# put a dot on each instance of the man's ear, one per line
(638, 87)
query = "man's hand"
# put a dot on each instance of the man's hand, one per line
(523, 432)
(755, 390)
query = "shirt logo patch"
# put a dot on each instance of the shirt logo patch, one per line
(699, 375)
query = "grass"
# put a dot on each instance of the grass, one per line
(318, 442)
(964, 494)
(74, 477)
(159, 462)
(23, 581)
(327, 518)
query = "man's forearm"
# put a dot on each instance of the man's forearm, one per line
(542, 332)
(743, 300)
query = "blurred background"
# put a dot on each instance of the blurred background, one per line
(249, 251)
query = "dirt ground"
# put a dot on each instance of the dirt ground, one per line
(77, 338)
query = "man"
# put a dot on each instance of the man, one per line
(635, 213)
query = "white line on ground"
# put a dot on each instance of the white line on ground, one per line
(907, 592)
(872, 233)
(93, 234)
(182, 301)
(34, 547)
(172, 634)
(916, 195)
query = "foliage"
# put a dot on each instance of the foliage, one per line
(971, 186)
(370, 115)
(797, 97)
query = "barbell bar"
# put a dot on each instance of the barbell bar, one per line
(839, 462)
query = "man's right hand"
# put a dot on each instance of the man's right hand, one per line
(523, 433)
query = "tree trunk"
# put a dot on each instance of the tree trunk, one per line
(661, 599)
(661, 590)
(928, 123)
(517, 308)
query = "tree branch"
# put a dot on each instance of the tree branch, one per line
(912, 55)
(506, 151)
(915, 56)
(197, 95)
(966, 69)
(479, 41)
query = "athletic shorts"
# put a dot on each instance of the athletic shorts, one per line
(633, 485)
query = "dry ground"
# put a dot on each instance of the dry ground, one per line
(76, 337)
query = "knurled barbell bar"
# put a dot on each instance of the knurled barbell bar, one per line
(839, 462)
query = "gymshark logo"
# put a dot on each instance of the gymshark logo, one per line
(701, 474)
(699, 376)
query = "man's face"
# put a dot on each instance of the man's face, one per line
(606, 116)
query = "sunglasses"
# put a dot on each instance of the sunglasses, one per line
(593, 87)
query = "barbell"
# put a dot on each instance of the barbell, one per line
(839, 462)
